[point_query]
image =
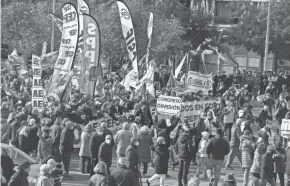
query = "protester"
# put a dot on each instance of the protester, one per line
(230, 180)
(84, 152)
(235, 144)
(105, 152)
(246, 146)
(7, 165)
(161, 161)
(100, 178)
(133, 156)
(267, 167)
(202, 156)
(94, 147)
(279, 164)
(228, 117)
(287, 158)
(122, 175)
(56, 171)
(44, 148)
(20, 176)
(217, 149)
(122, 139)
(44, 176)
(66, 146)
(56, 131)
(145, 143)
(185, 154)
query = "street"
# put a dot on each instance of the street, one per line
(80, 179)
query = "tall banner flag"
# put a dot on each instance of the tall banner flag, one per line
(63, 89)
(91, 55)
(68, 46)
(178, 69)
(82, 8)
(129, 36)
(57, 21)
(149, 32)
(37, 88)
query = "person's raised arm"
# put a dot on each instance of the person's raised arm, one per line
(174, 120)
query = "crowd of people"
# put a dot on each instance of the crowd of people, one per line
(49, 136)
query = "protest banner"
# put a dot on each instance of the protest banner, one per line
(285, 128)
(68, 45)
(168, 105)
(91, 54)
(192, 110)
(199, 82)
(49, 59)
(129, 35)
(37, 88)
(283, 65)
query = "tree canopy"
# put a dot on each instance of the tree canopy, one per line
(252, 26)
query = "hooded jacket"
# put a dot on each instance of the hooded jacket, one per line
(164, 130)
(184, 145)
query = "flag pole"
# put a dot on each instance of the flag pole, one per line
(267, 37)
(52, 29)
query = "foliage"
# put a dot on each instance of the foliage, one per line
(251, 30)
(24, 25)
(167, 29)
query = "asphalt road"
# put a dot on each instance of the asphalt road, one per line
(80, 179)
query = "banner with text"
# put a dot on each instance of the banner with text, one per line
(129, 35)
(91, 54)
(68, 45)
(285, 128)
(37, 88)
(168, 105)
(199, 82)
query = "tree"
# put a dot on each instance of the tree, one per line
(251, 29)
(167, 29)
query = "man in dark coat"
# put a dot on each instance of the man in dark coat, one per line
(66, 146)
(133, 156)
(287, 158)
(7, 165)
(105, 152)
(56, 132)
(145, 114)
(95, 143)
(164, 130)
(19, 178)
(106, 132)
(267, 167)
(217, 149)
(123, 176)
(115, 108)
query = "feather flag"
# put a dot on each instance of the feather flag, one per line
(178, 69)
(83, 7)
(129, 36)
(146, 82)
(63, 89)
(149, 32)
(57, 21)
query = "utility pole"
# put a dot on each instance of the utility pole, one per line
(267, 36)
(52, 29)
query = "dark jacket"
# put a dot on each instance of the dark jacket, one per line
(33, 137)
(95, 143)
(56, 132)
(7, 166)
(287, 159)
(19, 178)
(217, 148)
(133, 157)
(200, 127)
(163, 130)
(108, 132)
(24, 143)
(267, 166)
(113, 111)
(67, 140)
(105, 154)
(263, 116)
(161, 159)
(279, 163)
(123, 176)
(145, 116)
(184, 146)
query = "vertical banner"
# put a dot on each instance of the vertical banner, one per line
(37, 88)
(68, 45)
(57, 21)
(149, 32)
(91, 55)
(129, 35)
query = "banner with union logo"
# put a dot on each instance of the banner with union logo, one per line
(68, 45)
(129, 35)
(90, 54)
(199, 82)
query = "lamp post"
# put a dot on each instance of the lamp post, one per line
(52, 29)
(267, 36)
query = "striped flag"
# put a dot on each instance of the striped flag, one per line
(149, 32)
